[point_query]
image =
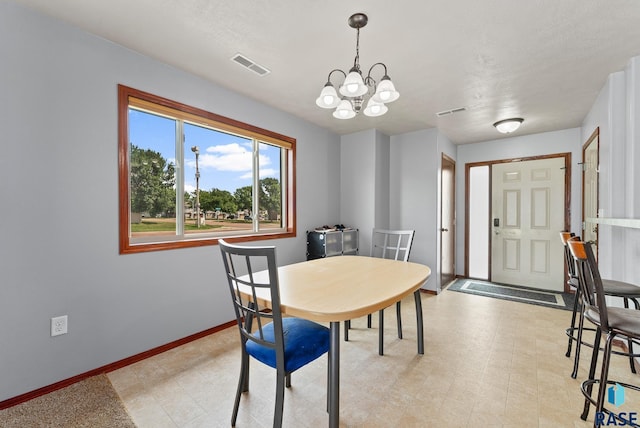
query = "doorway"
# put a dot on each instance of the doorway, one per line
(447, 220)
(590, 196)
(518, 206)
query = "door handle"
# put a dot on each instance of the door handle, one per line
(443, 229)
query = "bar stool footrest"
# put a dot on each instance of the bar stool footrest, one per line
(636, 342)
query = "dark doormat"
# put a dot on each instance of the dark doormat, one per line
(516, 293)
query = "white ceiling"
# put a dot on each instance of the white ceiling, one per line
(543, 60)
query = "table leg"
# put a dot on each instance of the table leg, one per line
(334, 376)
(419, 321)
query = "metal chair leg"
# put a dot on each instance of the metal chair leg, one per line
(243, 386)
(381, 332)
(592, 372)
(279, 407)
(571, 329)
(630, 342)
(419, 321)
(604, 374)
(399, 316)
(576, 357)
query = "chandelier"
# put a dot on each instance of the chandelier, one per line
(355, 89)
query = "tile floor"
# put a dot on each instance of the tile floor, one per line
(487, 363)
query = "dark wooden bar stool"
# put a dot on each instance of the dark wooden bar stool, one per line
(612, 321)
(572, 281)
(628, 292)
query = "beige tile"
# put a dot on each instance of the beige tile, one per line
(487, 362)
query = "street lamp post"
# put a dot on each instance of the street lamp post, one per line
(195, 150)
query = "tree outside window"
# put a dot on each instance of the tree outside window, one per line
(244, 184)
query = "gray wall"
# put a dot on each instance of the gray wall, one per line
(59, 222)
(364, 184)
(357, 184)
(414, 193)
(382, 206)
(394, 182)
(617, 114)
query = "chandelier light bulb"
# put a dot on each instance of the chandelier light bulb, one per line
(374, 108)
(344, 110)
(386, 91)
(353, 85)
(328, 97)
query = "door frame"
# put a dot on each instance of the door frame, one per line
(490, 163)
(594, 135)
(444, 158)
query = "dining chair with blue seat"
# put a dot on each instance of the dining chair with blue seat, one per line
(283, 343)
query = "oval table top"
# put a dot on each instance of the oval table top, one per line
(341, 288)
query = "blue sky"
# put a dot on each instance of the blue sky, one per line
(224, 161)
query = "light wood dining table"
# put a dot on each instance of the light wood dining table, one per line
(336, 289)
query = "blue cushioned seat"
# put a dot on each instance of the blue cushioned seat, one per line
(304, 341)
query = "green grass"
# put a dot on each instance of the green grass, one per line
(167, 226)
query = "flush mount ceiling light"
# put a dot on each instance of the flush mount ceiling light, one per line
(355, 89)
(508, 125)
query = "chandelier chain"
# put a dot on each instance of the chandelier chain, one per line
(356, 61)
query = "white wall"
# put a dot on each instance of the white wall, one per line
(59, 222)
(568, 140)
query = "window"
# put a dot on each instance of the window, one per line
(189, 177)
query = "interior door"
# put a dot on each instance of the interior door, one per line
(527, 214)
(448, 220)
(590, 164)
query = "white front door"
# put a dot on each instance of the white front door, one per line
(527, 215)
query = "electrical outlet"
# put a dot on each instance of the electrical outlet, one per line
(59, 325)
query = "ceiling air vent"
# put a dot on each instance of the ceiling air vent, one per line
(448, 112)
(247, 63)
